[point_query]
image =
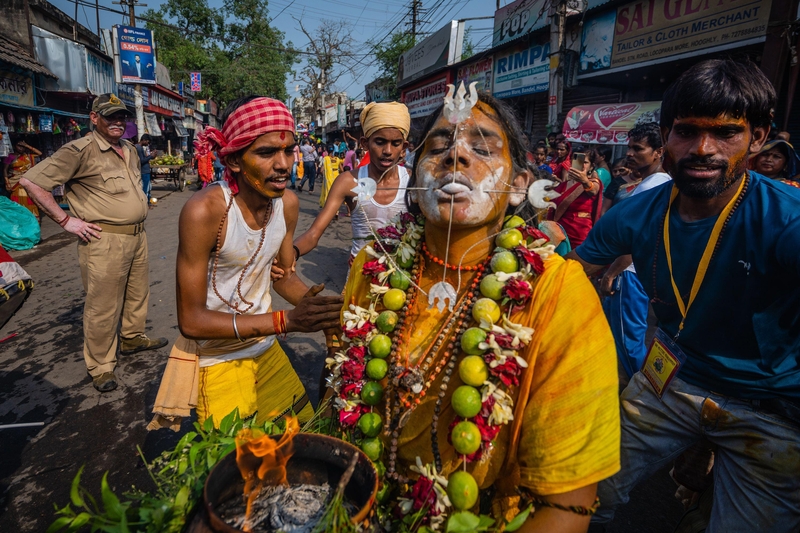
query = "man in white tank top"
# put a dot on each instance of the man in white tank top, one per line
(229, 236)
(386, 127)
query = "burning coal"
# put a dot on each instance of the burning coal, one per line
(273, 456)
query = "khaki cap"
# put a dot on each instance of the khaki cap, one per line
(108, 104)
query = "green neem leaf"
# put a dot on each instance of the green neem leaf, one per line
(518, 520)
(485, 523)
(182, 498)
(111, 503)
(74, 491)
(80, 521)
(59, 524)
(208, 425)
(463, 522)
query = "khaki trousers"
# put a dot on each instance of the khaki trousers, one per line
(115, 274)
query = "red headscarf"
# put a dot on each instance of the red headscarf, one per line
(243, 127)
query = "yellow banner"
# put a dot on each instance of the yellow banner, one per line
(651, 29)
(16, 89)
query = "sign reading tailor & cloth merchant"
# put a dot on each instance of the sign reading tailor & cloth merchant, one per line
(135, 55)
(422, 101)
(16, 89)
(480, 72)
(649, 30)
(522, 70)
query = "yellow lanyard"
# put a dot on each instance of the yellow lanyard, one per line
(707, 253)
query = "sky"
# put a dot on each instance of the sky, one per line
(373, 20)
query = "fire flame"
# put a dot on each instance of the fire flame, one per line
(252, 446)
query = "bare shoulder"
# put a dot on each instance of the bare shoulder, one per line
(344, 184)
(204, 208)
(290, 202)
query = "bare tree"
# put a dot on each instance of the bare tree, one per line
(331, 46)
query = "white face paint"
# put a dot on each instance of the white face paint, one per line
(474, 196)
(466, 171)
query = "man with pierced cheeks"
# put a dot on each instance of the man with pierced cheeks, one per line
(717, 252)
(564, 437)
(229, 236)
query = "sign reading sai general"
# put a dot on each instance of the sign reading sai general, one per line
(136, 53)
(523, 70)
(652, 29)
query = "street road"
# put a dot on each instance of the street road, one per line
(43, 378)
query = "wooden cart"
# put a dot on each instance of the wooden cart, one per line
(174, 173)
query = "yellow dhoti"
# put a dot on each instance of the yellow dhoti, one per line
(267, 385)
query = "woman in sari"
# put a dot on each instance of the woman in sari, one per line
(561, 162)
(14, 166)
(578, 206)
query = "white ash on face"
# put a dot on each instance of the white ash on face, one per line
(285, 508)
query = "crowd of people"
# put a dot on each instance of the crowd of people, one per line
(547, 343)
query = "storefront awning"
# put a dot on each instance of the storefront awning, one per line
(44, 110)
(179, 129)
(608, 123)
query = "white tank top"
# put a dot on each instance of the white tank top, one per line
(239, 246)
(377, 215)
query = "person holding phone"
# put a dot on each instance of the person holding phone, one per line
(579, 204)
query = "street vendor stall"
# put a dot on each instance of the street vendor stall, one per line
(169, 168)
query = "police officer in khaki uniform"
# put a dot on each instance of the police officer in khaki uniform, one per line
(104, 193)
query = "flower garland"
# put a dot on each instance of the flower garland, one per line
(489, 366)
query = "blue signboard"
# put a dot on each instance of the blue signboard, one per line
(137, 58)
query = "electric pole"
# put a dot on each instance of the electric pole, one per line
(137, 89)
(558, 17)
(416, 11)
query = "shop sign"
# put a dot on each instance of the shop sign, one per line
(480, 72)
(125, 93)
(341, 117)
(422, 101)
(165, 104)
(16, 89)
(135, 58)
(608, 123)
(439, 50)
(522, 70)
(518, 18)
(378, 91)
(651, 30)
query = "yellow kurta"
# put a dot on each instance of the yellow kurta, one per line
(566, 432)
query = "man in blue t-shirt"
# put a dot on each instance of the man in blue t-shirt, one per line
(723, 277)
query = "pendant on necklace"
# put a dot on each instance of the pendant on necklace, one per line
(439, 293)
(412, 380)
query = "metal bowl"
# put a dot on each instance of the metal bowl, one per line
(317, 459)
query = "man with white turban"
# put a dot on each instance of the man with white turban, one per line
(386, 127)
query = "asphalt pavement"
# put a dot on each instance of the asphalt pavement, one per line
(43, 377)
